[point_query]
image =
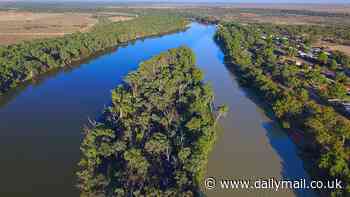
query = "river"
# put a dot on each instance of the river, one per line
(41, 122)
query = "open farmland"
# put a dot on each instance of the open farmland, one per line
(283, 19)
(253, 13)
(119, 18)
(19, 26)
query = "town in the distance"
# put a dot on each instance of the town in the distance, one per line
(180, 98)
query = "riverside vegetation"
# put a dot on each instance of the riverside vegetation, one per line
(23, 61)
(155, 138)
(326, 133)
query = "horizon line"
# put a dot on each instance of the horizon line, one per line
(174, 2)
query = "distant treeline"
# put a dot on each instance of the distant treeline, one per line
(155, 138)
(326, 134)
(286, 12)
(336, 33)
(23, 61)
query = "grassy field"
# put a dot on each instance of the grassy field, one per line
(24, 24)
(294, 14)
(17, 26)
(331, 8)
(333, 46)
(282, 20)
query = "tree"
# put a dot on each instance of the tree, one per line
(25, 60)
(136, 162)
(221, 112)
(334, 65)
(326, 131)
(315, 77)
(336, 90)
(341, 78)
(292, 52)
(323, 58)
(158, 144)
(155, 138)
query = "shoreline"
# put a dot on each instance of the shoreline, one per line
(88, 57)
(292, 133)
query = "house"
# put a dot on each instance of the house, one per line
(301, 53)
(347, 108)
(346, 104)
(307, 56)
(334, 100)
(316, 50)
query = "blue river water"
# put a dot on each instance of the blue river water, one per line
(41, 122)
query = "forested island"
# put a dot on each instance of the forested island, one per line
(322, 133)
(155, 138)
(24, 61)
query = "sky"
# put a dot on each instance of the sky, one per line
(256, 1)
(196, 1)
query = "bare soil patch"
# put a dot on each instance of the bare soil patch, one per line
(120, 18)
(18, 26)
(284, 20)
(334, 47)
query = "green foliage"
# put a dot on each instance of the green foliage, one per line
(292, 52)
(323, 58)
(283, 90)
(342, 58)
(155, 138)
(311, 33)
(336, 90)
(287, 107)
(315, 77)
(136, 162)
(26, 60)
(221, 111)
(333, 65)
(158, 144)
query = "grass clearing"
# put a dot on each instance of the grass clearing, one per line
(18, 26)
(334, 47)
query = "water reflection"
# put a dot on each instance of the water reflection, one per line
(40, 122)
(251, 145)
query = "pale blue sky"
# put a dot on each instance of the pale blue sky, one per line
(196, 1)
(252, 1)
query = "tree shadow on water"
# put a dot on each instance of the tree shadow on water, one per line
(40, 79)
(292, 164)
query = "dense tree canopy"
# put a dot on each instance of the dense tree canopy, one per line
(23, 61)
(155, 138)
(326, 132)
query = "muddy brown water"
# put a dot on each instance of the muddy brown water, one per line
(40, 123)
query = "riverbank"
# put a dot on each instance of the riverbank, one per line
(51, 112)
(310, 125)
(22, 62)
(161, 113)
